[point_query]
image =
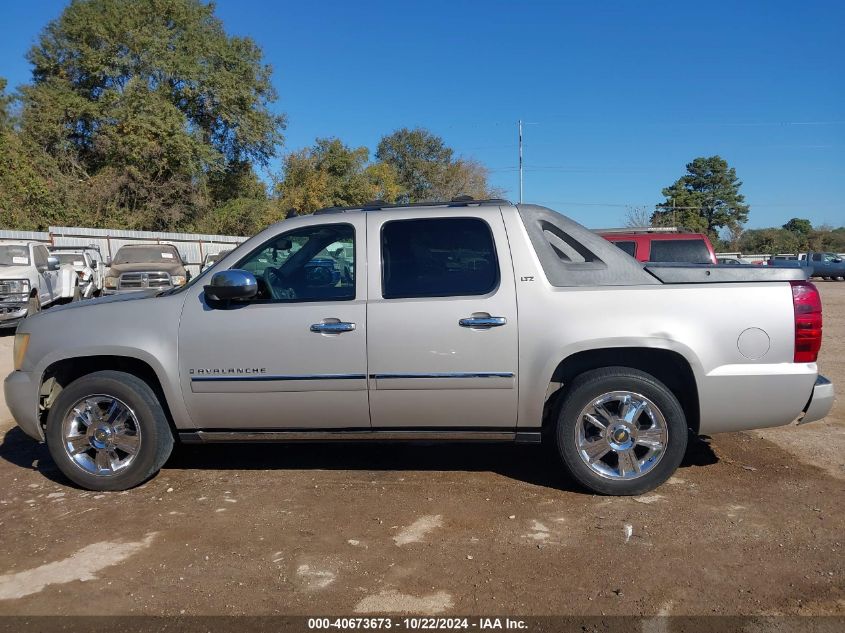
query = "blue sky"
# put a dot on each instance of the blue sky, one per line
(618, 96)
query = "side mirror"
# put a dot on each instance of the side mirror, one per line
(94, 264)
(53, 263)
(232, 284)
(837, 260)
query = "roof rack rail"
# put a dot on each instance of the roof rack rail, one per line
(641, 229)
(66, 247)
(378, 205)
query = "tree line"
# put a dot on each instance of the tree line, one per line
(145, 114)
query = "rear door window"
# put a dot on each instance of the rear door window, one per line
(687, 251)
(438, 257)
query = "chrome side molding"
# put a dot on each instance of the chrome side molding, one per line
(457, 374)
(272, 378)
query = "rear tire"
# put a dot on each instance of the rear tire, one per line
(620, 431)
(108, 431)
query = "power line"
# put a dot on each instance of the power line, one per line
(649, 205)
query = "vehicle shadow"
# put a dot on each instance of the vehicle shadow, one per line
(532, 464)
(21, 450)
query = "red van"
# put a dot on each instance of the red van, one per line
(662, 245)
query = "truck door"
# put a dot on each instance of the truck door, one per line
(295, 357)
(48, 280)
(442, 346)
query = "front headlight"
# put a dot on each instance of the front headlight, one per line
(178, 280)
(111, 282)
(16, 286)
(19, 349)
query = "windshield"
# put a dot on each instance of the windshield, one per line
(74, 259)
(14, 255)
(147, 254)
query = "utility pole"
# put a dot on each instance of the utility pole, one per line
(520, 161)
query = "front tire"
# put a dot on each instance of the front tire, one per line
(33, 305)
(108, 431)
(620, 431)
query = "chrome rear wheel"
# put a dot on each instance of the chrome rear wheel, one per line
(620, 431)
(621, 435)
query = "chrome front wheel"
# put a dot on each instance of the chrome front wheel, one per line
(621, 435)
(101, 435)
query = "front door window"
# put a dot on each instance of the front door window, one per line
(315, 263)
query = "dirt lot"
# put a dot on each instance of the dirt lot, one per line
(751, 524)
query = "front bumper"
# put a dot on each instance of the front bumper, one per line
(12, 313)
(21, 391)
(821, 401)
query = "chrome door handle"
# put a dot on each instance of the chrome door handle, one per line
(332, 327)
(483, 322)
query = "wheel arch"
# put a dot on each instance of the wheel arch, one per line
(668, 366)
(61, 373)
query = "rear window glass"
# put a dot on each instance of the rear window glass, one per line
(687, 251)
(74, 259)
(628, 247)
(438, 257)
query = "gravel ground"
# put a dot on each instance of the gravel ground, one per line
(752, 523)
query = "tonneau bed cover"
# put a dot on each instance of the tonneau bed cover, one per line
(679, 273)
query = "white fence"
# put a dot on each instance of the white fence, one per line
(193, 247)
(763, 258)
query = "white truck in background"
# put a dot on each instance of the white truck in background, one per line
(31, 279)
(87, 263)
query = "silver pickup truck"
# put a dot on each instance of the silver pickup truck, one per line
(461, 321)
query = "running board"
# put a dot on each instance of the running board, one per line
(209, 437)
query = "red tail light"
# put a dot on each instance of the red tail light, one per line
(808, 321)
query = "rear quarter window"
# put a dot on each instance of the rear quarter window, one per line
(686, 251)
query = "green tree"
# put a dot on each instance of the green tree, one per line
(33, 191)
(706, 198)
(426, 170)
(769, 241)
(5, 103)
(463, 177)
(420, 159)
(325, 175)
(384, 182)
(799, 225)
(149, 98)
(239, 216)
